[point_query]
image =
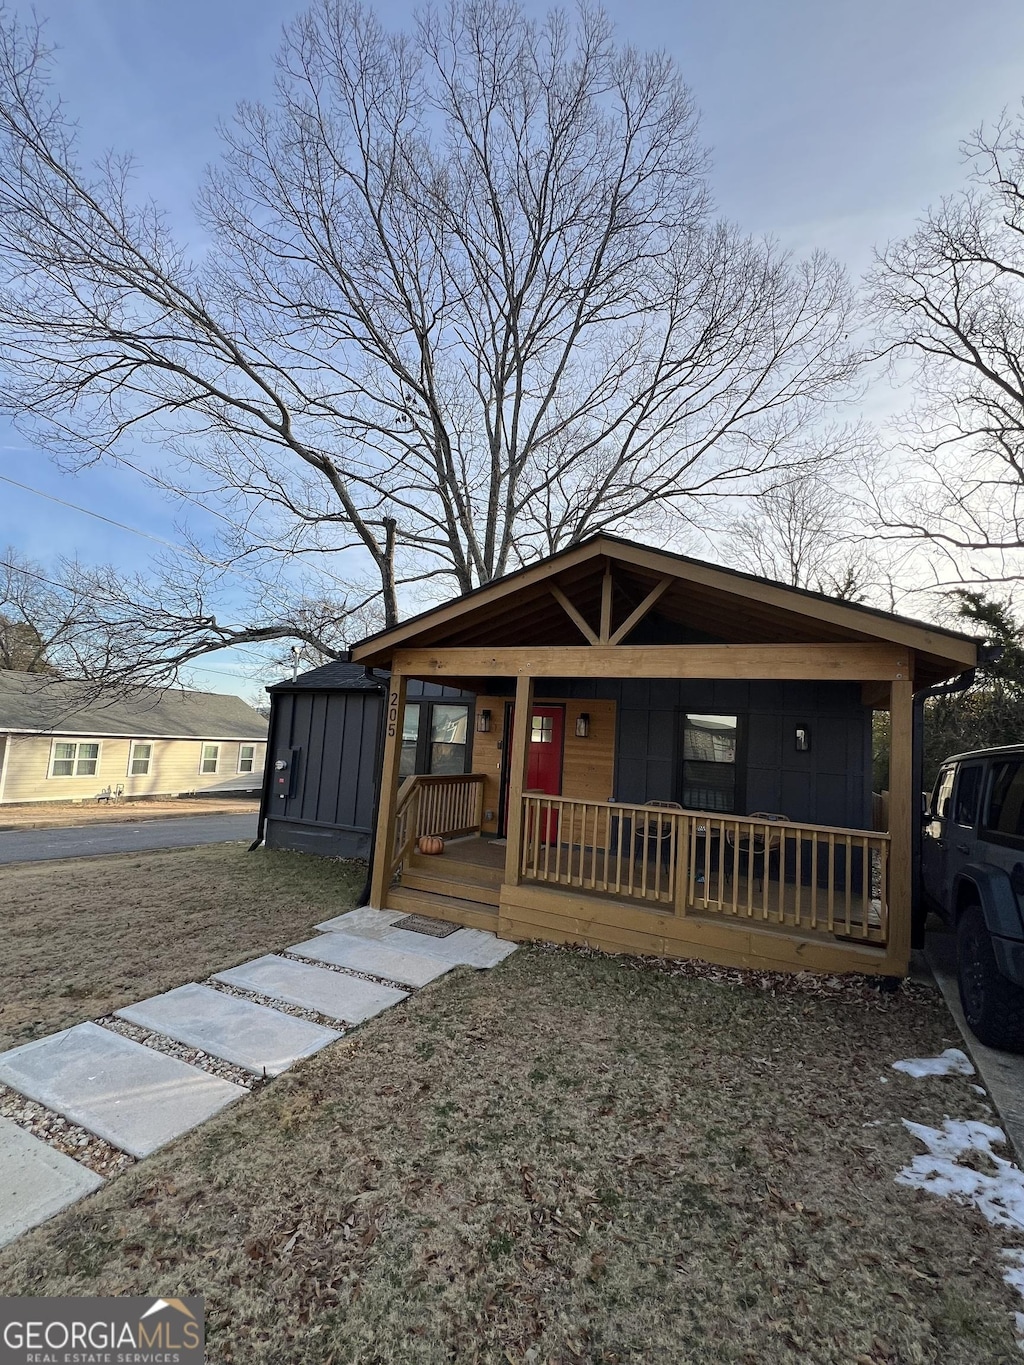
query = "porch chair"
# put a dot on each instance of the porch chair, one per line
(757, 850)
(655, 830)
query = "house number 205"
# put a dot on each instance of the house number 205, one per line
(393, 715)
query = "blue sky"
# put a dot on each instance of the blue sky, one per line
(831, 124)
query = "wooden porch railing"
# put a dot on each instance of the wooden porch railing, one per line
(449, 806)
(781, 873)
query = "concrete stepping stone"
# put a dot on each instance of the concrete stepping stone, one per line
(123, 1092)
(313, 988)
(466, 947)
(469, 947)
(370, 955)
(253, 1036)
(369, 923)
(36, 1181)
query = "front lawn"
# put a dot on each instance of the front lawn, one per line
(85, 936)
(572, 1158)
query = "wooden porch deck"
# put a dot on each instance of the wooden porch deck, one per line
(471, 870)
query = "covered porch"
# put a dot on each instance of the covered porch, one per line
(620, 853)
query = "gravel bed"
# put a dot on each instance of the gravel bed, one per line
(350, 971)
(67, 1137)
(159, 1042)
(282, 1006)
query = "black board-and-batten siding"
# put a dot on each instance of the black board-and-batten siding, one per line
(325, 727)
(827, 784)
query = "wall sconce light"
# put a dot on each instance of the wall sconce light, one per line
(483, 722)
(582, 725)
(802, 736)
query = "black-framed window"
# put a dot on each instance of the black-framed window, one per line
(710, 762)
(435, 738)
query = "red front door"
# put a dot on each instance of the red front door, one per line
(544, 761)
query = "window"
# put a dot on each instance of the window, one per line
(434, 738)
(246, 757)
(140, 760)
(448, 726)
(1005, 814)
(410, 740)
(208, 763)
(543, 731)
(968, 793)
(79, 759)
(709, 762)
(941, 794)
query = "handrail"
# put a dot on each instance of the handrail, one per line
(783, 872)
(449, 805)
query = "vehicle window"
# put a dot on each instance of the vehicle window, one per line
(1005, 813)
(968, 793)
(941, 795)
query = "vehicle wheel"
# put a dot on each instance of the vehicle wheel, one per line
(993, 1006)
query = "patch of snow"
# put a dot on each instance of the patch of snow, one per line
(999, 1197)
(952, 1062)
(1014, 1277)
(979, 1089)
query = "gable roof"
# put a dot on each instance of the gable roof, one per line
(712, 602)
(31, 703)
(336, 676)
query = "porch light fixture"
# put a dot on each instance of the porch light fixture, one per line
(582, 725)
(483, 722)
(802, 737)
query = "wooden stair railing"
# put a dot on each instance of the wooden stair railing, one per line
(449, 806)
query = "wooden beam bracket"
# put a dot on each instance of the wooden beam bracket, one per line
(574, 616)
(638, 613)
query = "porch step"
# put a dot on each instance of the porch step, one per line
(446, 882)
(472, 914)
(450, 867)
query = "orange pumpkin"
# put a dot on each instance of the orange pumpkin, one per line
(430, 843)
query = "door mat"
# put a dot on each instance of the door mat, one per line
(423, 924)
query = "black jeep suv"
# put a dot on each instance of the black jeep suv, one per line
(972, 874)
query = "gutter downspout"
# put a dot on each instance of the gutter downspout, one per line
(268, 767)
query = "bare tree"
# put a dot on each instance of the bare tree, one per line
(122, 631)
(802, 533)
(463, 302)
(951, 298)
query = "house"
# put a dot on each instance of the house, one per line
(668, 757)
(59, 741)
(325, 732)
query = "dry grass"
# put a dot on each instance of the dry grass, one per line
(571, 1159)
(62, 814)
(85, 936)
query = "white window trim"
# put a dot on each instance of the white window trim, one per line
(131, 757)
(207, 772)
(250, 745)
(77, 743)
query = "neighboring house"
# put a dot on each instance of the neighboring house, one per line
(664, 756)
(325, 728)
(59, 742)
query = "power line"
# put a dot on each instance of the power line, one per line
(135, 531)
(99, 597)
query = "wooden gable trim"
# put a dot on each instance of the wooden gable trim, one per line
(487, 604)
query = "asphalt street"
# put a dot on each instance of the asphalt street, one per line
(86, 841)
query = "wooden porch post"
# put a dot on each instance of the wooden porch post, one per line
(517, 777)
(903, 811)
(385, 833)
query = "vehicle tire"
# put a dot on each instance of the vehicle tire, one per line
(992, 1005)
